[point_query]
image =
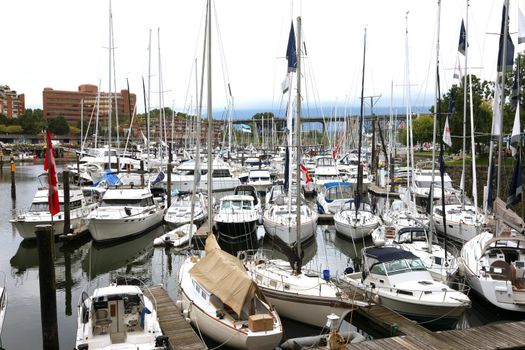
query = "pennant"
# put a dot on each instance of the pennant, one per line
(510, 46)
(462, 39)
(52, 180)
(516, 185)
(515, 95)
(447, 138)
(515, 139)
(337, 148)
(291, 51)
(158, 179)
(496, 112)
(521, 22)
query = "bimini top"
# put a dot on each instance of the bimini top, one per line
(386, 254)
(337, 183)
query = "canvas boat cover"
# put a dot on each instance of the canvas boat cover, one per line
(386, 254)
(224, 275)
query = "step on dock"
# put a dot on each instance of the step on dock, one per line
(173, 324)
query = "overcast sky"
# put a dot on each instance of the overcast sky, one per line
(62, 44)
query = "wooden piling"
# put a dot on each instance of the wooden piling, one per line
(67, 214)
(170, 159)
(13, 184)
(142, 173)
(48, 297)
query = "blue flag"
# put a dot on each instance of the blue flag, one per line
(462, 39)
(291, 52)
(516, 185)
(510, 46)
(158, 179)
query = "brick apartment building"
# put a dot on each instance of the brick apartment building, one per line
(11, 104)
(68, 104)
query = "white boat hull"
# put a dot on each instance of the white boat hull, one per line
(287, 234)
(354, 229)
(109, 229)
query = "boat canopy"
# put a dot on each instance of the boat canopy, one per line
(223, 275)
(386, 254)
(329, 185)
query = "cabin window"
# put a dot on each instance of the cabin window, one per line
(75, 205)
(120, 202)
(378, 269)
(221, 173)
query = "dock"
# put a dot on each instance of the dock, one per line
(380, 191)
(509, 335)
(402, 333)
(180, 334)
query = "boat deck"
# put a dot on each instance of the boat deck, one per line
(173, 324)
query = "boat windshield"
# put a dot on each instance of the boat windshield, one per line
(144, 202)
(403, 265)
(340, 192)
(236, 204)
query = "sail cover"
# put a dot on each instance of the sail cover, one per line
(224, 275)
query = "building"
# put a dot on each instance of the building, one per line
(11, 104)
(68, 104)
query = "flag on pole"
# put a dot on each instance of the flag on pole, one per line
(516, 185)
(306, 173)
(447, 138)
(521, 22)
(457, 71)
(52, 180)
(291, 51)
(510, 46)
(246, 128)
(515, 95)
(462, 39)
(338, 144)
(515, 139)
(496, 112)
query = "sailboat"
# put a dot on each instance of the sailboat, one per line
(216, 294)
(494, 262)
(300, 295)
(355, 219)
(289, 220)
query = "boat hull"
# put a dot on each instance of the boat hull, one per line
(287, 234)
(106, 230)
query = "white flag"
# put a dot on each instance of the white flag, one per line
(521, 22)
(516, 134)
(496, 113)
(446, 134)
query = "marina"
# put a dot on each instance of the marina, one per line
(180, 229)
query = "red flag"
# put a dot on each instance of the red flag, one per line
(335, 152)
(52, 180)
(306, 173)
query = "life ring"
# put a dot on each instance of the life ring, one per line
(242, 256)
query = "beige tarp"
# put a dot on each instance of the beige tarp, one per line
(224, 275)
(507, 215)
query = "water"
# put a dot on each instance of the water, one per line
(81, 264)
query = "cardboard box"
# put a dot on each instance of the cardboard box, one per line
(261, 322)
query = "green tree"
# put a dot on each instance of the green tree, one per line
(32, 121)
(58, 125)
(422, 130)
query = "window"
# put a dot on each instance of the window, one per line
(378, 269)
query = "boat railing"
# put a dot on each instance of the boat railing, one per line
(420, 293)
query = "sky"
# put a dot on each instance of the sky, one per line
(63, 44)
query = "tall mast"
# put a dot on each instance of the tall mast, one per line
(298, 140)
(210, 125)
(161, 109)
(359, 166)
(148, 104)
(462, 185)
(109, 91)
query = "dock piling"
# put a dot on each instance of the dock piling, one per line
(67, 214)
(13, 184)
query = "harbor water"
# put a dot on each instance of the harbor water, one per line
(81, 265)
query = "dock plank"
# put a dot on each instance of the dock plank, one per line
(173, 324)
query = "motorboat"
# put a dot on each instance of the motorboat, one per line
(125, 211)
(118, 317)
(261, 180)
(494, 266)
(236, 221)
(38, 213)
(179, 212)
(178, 237)
(354, 224)
(223, 178)
(325, 171)
(332, 196)
(400, 281)
(221, 299)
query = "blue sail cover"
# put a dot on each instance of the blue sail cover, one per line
(109, 178)
(385, 254)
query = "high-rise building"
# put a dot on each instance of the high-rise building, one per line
(11, 104)
(68, 104)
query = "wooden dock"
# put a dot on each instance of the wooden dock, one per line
(173, 324)
(509, 335)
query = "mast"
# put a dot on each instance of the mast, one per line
(210, 125)
(148, 97)
(462, 184)
(298, 142)
(109, 91)
(359, 166)
(437, 98)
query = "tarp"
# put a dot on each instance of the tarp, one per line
(224, 275)
(109, 178)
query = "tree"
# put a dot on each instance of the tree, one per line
(32, 121)
(422, 130)
(58, 125)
